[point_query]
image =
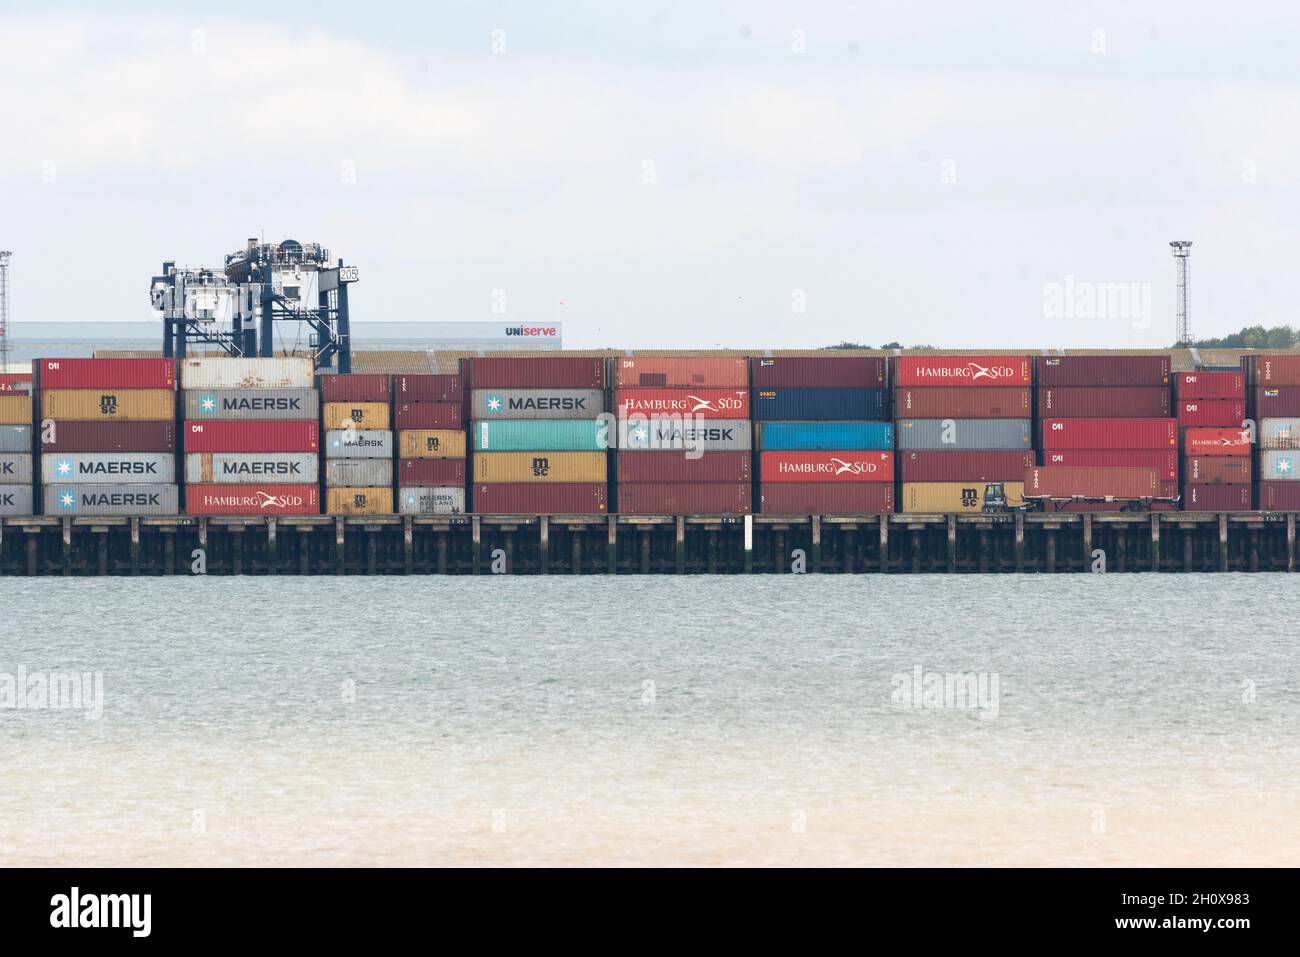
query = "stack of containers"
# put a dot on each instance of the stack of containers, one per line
(356, 481)
(1213, 401)
(108, 436)
(962, 422)
(683, 425)
(540, 436)
(824, 439)
(429, 415)
(15, 445)
(251, 437)
(1105, 430)
(1274, 396)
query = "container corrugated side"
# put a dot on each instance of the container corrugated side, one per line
(825, 467)
(963, 370)
(245, 404)
(1164, 461)
(1222, 469)
(825, 436)
(15, 438)
(1109, 402)
(355, 387)
(536, 403)
(431, 500)
(539, 372)
(108, 468)
(962, 435)
(712, 498)
(78, 373)
(701, 403)
(513, 499)
(821, 498)
(1268, 370)
(430, 473)
(818, 405)
(359, 444)
(1276, 402)
(1109, 433)
(239, 468)
(359, 501)
(15, 468)
(15, 409)
(16, 500)
(266, 499)
(122, 405)
(963, 403)
(670, 435)
(1279, 496)
(288, 372)
(1278, 466)
(1107, 370)
(427, 415)
(1210, 385)
(1212, 413)
(1216, 442)
(1216, 498)
(1064, 481)
(358, 415)
(431, 444)
(993, 466)
(944, 497)
(833, 372)
(1279, 433)
(110, 500)
(521, 467)
(106, 437)
(365, 473)
(685, 372)
(428, 387)
(16, 383)
(553, 435)
(255, 436)
(661, 466)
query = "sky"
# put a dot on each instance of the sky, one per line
(671, 175)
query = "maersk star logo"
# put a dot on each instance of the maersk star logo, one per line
(641, 434)
(494, 403)
(1283, 466)
(64, 467)
(67, 500)
(207, 403)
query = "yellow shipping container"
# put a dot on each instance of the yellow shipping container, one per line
(540, 467)
(430, 444)
(937, 497)
(359, 501)
(364, 415)
(15, 410)
(123, 405)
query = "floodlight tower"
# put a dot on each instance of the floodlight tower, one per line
(1182, 253)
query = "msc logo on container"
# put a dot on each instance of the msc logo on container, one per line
(108, 404)
(432, 443)
(359, 500)
(541, 466)
(358, 415)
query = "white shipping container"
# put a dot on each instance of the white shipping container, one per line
(1279, 434)
(107, 468)
(442, 500)
(256, 404)
(15, 500)
(237, 468)
(220, 372)
(15, 468)
(110, 500)
(358, 473)
(359, 444)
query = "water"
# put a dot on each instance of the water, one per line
(1140, 719)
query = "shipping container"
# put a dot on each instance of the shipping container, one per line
(1220, 469)
(1216, 498)
(1212, 413)
(1104, 402)
(265, 499)
(246, 404)
(1277, 466)
(359, 444)
(15, 409)
(105, 437)
(686, 372)
(668, 435)
(702, 403)
(427, 387)
(105, 373)
(1279, 433)
(962, 435)
(124, 405)
(554, 435)
(1216, 442)
(532, 499)
(824, 436)
(258, 436)
(108, 468)
(730, 467)
(131, 500)
(1164, 461)
(944, 497)
(16, 500)
(994, 466)
(1109, 433)
(430, 473)
(1210, 385)
(536, 403)
(237, 468)
(431, 444)
(1273, 370)
(358, 473)
(15, 468)
(826, 498)
(823, 372)
(431, 500)
(1277, 402)
(373, 416)
(1109, 370)
(359, 501)
(705, 498)
(536, 372)
(1279, 496)
(428, 415)
(16, 438)
(825, 467)
(19, 383)
(223, 372)
(963, 403)
(816, 405)
(955, 370)
(1064, 481)
(355, 387)
(520, 467)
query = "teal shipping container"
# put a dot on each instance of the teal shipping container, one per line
(824, 436)
(544, 435)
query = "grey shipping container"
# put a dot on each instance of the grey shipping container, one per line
(1279, 433)
(237, 468)
(443, 500)
(537, 403)
(108, 468)
(639, 433)
(15, 438)
(358, 473)
(359, 444)
(960, 435)
(15, 468)
(252, 404)
(15, 500)
(110, 500)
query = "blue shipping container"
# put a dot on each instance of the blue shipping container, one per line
(817, 405)
(543, 435)
(825, 436)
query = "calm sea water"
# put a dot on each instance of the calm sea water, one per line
(1138, 719)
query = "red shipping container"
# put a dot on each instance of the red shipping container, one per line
(1210, 385)
(356, 387)
(1217, 470)
(681, 373)
(705, 403)
(427, 415)
(963, 403)
(292, 435)
(105, 373)
(252, 499)
(430, 472)
(109, 437)
(428, 388)
(1216, 498)
(981, 371)
(1212, 413)
(20, 382)
(715, 498)
(668, 466)
(509, 498)
(820, 498)
(1279, 496)
(825, 467)
(540, 372)
(1165, 462)
(1063, 481)
(1111, 370)
(1277, 402)
(1114, 402)
(1109, 433)
(1273, 370)
(1216, 442)
(989, 466)
(818, 372)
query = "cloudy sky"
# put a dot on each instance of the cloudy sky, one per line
(671, 174)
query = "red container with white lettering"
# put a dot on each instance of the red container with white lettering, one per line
(705, 403)
(825, 467)
(1109, 434)
(105, 373)
(293, 435)
(1211, 413)
(973, 371)
(252, 499)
